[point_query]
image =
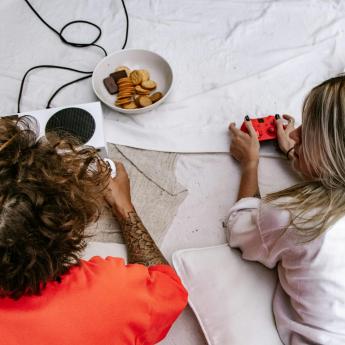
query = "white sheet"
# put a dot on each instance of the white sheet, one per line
(212, 181)
(230, 58)
(103, 250)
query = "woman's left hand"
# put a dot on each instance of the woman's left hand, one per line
(244, 147)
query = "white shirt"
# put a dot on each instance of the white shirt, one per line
(309, 303)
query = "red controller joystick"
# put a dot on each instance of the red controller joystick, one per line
(264, 127)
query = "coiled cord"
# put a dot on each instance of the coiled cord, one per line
(73, 44)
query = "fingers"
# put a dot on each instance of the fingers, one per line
(288, 117)
(291, 121)
(233, 130)
(232, 127)
(279, 124)
(251, 129)
(120, 169)
(236, 132)
(281, 127)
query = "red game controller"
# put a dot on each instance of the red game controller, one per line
(264, 127)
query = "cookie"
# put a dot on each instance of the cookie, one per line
(123, 68)
(144, 101)
(136, 77)
(149, 85)
(125, 85)
(124, 80)
(136, 100)
(156, 97)
(140, 91)
(110, 85)
(125, 94)
(133, 88)
(124, 100)
(145, 75)
(126, 89)
(131, 105)
(118, 75)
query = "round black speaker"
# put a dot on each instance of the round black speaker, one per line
(72, 121)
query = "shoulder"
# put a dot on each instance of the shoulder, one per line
(116, 267)
(98, 264)
(332, 241)
(266, 216)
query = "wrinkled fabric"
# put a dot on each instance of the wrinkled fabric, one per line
(229, 59)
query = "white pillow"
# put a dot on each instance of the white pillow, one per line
(103, 250)
(231, 298)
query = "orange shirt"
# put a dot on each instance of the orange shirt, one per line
(101, 302)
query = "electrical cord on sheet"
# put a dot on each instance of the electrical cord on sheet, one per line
(88, 74)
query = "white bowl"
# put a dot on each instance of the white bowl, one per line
(159, 69)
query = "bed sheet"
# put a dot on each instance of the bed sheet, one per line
(229, 57)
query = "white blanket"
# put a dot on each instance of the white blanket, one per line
(230, 58)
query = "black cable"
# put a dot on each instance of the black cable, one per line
(61, 87)
(60, 34)
(127, 24)
(73, 44)
(89, 74)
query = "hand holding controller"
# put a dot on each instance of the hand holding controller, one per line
(264, 127)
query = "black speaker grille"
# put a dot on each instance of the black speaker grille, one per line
(74, 121)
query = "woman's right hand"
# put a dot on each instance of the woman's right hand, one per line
(118, 194)
(283, 134)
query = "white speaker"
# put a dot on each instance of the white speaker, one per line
(84, 121)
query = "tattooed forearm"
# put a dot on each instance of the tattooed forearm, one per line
(141, 247)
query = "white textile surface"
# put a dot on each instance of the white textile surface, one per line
(229, 57)
(220, 286)
(105, 249)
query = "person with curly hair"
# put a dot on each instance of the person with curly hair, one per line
(50, 190)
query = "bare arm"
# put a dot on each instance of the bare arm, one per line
(245, 149)
(249, 185)
(140, 245)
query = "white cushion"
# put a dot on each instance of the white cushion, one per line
(103, 250)
(231, 298)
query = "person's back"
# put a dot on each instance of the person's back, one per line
(49, 193)
(99, 302)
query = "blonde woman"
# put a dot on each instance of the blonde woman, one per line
(300, 230)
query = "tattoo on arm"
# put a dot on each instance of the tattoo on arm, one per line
(141, 247)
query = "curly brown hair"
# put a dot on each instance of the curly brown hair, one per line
(50, 190)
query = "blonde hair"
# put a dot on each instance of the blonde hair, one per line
(318, 203)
